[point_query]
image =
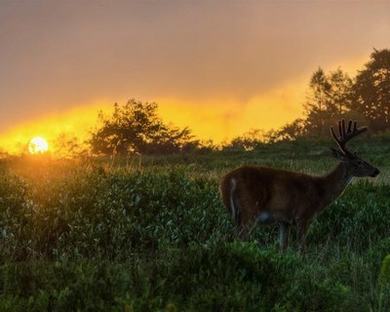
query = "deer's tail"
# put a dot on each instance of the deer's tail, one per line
(230, 199)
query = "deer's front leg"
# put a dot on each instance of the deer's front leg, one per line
(283, 235)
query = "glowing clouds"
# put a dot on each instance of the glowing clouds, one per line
(219, 119)
(222, 119)
(76, 122)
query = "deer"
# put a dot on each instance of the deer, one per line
(260, 195)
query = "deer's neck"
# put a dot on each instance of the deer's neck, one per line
(334, 183)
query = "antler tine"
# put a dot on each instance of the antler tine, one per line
(350, 126)
(350, 133)
(346, 134)
(340, 129)
(337, 140)
(360, 130)
(332, 133)
(343, 128)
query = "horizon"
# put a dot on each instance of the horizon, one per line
(63, 62)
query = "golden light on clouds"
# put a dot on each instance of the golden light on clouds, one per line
(223, 119)
(216, 119)
(75, 122)
(219, 119)
(246, 66)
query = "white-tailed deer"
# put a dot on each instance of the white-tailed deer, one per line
(260, 195)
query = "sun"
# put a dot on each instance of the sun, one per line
(38, 145)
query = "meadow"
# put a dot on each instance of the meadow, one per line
(151, 234)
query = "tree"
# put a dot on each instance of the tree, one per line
(248, 141)
(329, 98)
(371, 91)
(136, 127)
(340, 95)
(334, 95)
(67, 145)
(290, 131)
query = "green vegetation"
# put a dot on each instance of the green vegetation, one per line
(151, 234)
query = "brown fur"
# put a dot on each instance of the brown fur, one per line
(289, 197)
(280, 191)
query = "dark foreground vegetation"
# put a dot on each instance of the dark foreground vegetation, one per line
(151, 234)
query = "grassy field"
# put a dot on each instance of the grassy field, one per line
(151, 234)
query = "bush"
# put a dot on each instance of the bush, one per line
(159, 239)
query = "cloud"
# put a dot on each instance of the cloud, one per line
(56, 55)
(216, 118)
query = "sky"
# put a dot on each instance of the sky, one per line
(219, 67)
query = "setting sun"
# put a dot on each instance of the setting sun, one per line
(38, 145)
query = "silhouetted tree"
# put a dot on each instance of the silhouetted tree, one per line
(290, 131)
(371, 91)
(334, 95)
(68, 146)
(136, 127)
(329, 98)
(248, 141)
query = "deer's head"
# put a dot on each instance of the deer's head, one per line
(356, 166)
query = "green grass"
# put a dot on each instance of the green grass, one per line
(152, 235)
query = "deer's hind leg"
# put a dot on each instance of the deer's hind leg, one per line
(247, 220)
(284, 229)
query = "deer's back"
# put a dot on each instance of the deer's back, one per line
(286, 194)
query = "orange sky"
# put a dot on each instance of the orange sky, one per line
(219, 67)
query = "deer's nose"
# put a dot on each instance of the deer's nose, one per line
(375, 173)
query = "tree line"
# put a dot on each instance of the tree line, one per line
(335, 95)
(135, 127)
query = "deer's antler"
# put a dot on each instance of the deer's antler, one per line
(346, 134)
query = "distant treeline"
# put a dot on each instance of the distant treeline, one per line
(135, 127)
(331, 97)
(335, 95)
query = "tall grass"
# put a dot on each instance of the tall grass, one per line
(155, 237)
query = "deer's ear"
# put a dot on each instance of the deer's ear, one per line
(337, 154)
